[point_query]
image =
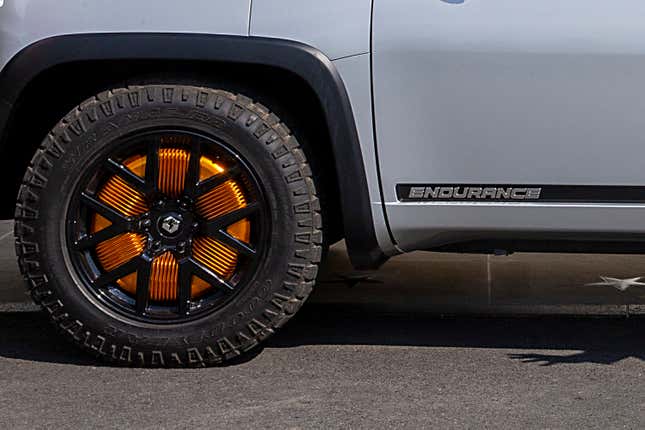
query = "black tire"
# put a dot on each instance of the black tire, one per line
(281, 282)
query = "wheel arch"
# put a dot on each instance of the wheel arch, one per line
(307, 63)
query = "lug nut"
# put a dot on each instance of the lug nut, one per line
(156, 245)
(181, 247)
(145, 224)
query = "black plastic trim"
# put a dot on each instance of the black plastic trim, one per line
(303, 60)
(547, 193)
(375, 132)
(510, 246)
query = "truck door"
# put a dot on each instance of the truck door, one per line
(509, 96)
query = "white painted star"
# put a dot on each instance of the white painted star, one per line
(619, 284)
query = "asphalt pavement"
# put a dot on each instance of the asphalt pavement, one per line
(430, 340)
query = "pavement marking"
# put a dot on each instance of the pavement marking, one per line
(7, 234)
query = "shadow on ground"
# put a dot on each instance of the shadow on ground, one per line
(558, 340)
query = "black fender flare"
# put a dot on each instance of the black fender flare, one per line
(305, 61)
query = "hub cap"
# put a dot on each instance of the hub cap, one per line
(169, 228)
(170, 224)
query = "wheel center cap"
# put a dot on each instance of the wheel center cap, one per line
(170, 224)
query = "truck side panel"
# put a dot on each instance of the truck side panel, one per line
(23, 22)
(338, 28)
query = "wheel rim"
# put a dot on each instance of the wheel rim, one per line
(169, 227)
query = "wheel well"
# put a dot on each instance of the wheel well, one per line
(53, 93)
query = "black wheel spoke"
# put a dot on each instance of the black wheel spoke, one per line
(143, 283)
(215, 226)
(111, 276)
(233, 242)
(152, 165)
(192, 173)
(214, 181)
(128, 176)
(93, 239)
(184, 283)
(102, 209)
(208, 275)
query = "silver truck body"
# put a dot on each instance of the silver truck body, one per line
(491, 94)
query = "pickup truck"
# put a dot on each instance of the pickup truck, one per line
(177, 170)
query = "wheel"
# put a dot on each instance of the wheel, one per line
(169, 225)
